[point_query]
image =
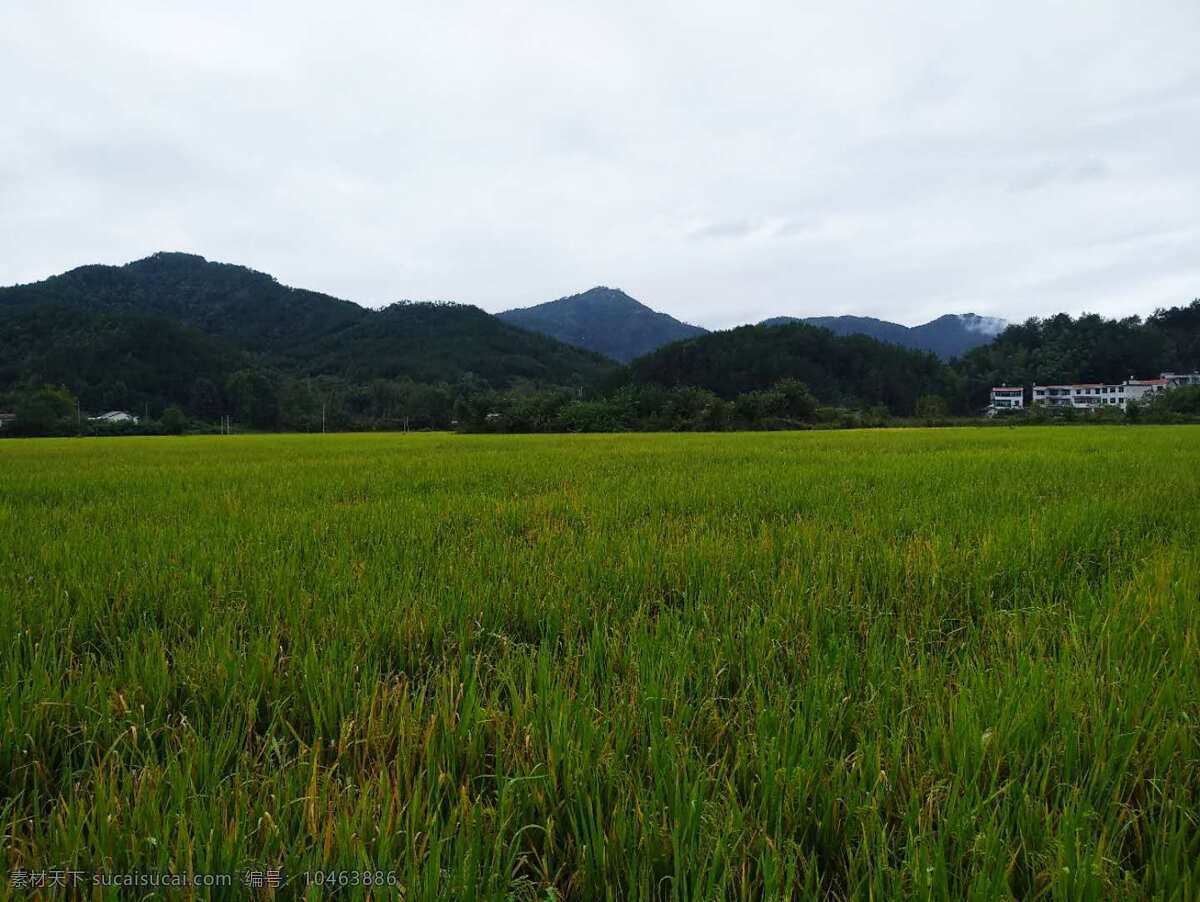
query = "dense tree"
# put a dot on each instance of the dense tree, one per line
(173, 420)
(649, 408)
(204, 399)
(931, 407)
(1181, 327)
(50, 410)
(1175, 404)
(254, 398)
(110, 361)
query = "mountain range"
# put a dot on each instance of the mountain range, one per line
(216, 338)
(143, 333)
(610, 322)
(948, 336)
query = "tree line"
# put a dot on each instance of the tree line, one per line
(755, 377)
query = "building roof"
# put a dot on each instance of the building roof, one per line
(1007, 388)
(1147, 382)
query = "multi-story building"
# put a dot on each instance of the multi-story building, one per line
(1007, 397)
(1137, 389)
(1092, 395)
(1179, 380)
(1079, 395)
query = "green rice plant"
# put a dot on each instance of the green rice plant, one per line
(887, 664)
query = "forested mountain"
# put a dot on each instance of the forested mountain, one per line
(173, 329)
(947, 336)
(851, 370)
(604, 320)
(1089, 348)
(220, 299)
(440, 342)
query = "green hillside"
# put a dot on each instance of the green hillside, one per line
(851, 370)
(173, 328)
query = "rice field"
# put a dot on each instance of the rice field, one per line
(947, 664)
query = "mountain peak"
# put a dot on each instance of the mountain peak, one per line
(181, 263)
(601, 294)
(170, 257)
(605, 320)
(985, 325)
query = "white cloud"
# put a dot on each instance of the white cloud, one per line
(723, 162)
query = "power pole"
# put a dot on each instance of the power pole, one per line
(322, 418)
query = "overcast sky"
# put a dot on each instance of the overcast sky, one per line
(720, 161)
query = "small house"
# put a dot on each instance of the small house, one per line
(115, 416)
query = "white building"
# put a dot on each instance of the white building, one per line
(115, 416)
(1179, 380)
(1080, 395)
(1139, 389)
(1006, 397)
(1093, 395)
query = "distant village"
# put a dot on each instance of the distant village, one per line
(1087, 395)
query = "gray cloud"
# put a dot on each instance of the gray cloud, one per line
(731, 229)
(1049, 173)
(720, 161)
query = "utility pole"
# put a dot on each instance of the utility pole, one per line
(322, 418)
